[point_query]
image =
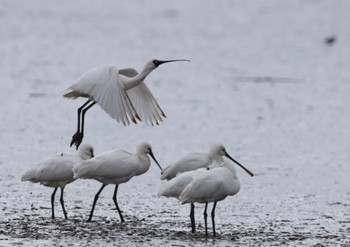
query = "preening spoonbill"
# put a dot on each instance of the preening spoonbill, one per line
(194, 161)
(57, 172)
(212, 186)
(115, 167)
(121, 93)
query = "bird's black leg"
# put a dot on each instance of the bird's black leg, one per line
(116, 203)
(205, 219)
(78, 136)
(213, 218)
(62, 204)
(83, 116)
(193, 225)
(53, 203)
(79, 112)
(95, 200)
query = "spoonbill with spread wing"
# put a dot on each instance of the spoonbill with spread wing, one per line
(121, 93)
(57, 172)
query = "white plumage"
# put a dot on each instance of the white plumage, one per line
(174, 187)
(104, 84)
(195, 161)
(189, 173)
(57, 171)
(115, 167)
(212, 186)
(121, 93)
(183, 172)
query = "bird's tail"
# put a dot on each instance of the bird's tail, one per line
(165, 191)
(29, 176)
(75, 94)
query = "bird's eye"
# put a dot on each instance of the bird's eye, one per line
(156, 62)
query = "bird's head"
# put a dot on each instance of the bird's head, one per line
(153, 64)
(147, 149)
(220, 150)
(86, 151)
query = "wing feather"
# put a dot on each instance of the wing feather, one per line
(102, 85)
(143, 101)
(111, 164)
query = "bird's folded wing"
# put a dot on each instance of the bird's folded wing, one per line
(111, 164)
(56, 168)
(143, 101)
(202, 189)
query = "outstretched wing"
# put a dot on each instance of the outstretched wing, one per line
(102, 84)
(143, 101)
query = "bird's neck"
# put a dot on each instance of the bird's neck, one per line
(215, 157)
(144, 165)
(130, 82)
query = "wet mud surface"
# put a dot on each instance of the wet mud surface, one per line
(31, 230)
(154, 221)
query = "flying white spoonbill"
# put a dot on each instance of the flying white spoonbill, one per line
(57, 172)
(121, 93)
(115, 167)
(194, 161)
(213, 186)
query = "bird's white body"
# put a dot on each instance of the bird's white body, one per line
(212, 186)
(57, 170)
(175, 186)
(114, 167)
(212, 183)
(194, 161)
(120, 93)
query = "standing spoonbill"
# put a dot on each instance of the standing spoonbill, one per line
(213, 186)
(183, 172)
(194, 161)
(115, 167)
(57, 172)
(121, 93)
(175, 186)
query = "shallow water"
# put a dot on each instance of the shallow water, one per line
(261, 80)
